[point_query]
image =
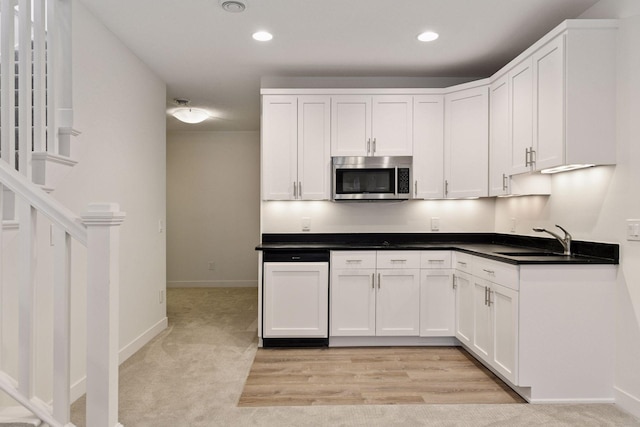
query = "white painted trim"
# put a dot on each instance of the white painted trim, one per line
(10, 224)
(53, 158)
(627, 402)
(130, 349)
(79, 388)
(212, 284)
(568, 401)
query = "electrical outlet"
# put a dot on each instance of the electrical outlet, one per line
(306, 223)
(212, 265)
(435, 224)
(513, 225)
(160, 226)
(633, 229)
(161, 296)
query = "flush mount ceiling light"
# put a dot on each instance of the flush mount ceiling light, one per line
(233, 6)
(262, 36)
(428, 36)
(187, 114)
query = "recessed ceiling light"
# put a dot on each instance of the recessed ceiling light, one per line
(262, 36)
(233, 6)
(428, 36)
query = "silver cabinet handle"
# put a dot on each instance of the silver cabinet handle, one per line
(453, 284)
(373, 281)
(368, 145)
(505, 182)
(440, 261)
(491, 272)
(415, 189)
(295, 190)
(446, 187)
(526, 156)
(489, 302)
(374, 146)
(378, 280)
(532, 156)
(486, 295)
(398, 260)
(300, 189)
(351, 261)
(462, 263)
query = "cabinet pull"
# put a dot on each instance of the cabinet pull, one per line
(415, 189)
(373, 281)
(378, 280)
(453, 282)
(462, 263)
(489, 302)
(505, 182)
(486, 296)
(491, 272)
(295, 190)
(354, 261)
(439, 261)
(398, 260)
(374, 146)
(300, 189)
(446, 187)
(527, 162)
(532, 156)
(368, 145)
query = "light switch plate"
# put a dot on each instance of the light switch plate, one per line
(633, 229)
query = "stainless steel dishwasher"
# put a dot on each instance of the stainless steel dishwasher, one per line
(295, 303)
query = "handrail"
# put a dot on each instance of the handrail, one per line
(43, 202)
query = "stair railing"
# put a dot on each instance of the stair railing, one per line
(37, 116)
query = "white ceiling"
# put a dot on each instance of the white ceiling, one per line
(207, 55)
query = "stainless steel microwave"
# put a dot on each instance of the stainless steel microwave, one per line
(372, 178)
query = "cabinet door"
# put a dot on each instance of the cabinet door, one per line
(350, 125)
(549, 104)
(499, 141)
(279, 147)
(437, 303)
(353, 302)
(392, 125)
(466, 152)
(464, 307)
(521, 106)
(504, 355)
(296, 297)
(398, 302)
(428, 146)
(314, 158)
(482, 330)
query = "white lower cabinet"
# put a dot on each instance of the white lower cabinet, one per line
(371, 301)
(464, 307)
(295, 300)
(437, 295)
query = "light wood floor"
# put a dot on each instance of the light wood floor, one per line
(353, 376)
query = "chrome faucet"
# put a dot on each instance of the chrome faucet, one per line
(565, 241)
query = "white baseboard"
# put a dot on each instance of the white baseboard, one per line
(627, 402)
(213, 284)
(79, 388)
(128, 350)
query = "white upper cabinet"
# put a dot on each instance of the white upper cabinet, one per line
(563, 99)
(499, 141)
(428, 146)
(296, 161)
(466, 143)
(365, 125)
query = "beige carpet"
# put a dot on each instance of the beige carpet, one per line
(371, 376)
(192, 375)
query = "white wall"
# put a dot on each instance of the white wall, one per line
(119, 106)
(412, 216)
(595, 203)
(213, 193)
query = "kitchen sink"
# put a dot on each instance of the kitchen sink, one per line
(531, 254)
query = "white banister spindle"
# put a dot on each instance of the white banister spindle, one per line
(2, 321)
(27, 297)
(39, 76)
(61, 326)
(102, 221)
(8, 84)
(24, 87)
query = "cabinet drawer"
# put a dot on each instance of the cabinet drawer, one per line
(435, 259)
(398, 259)
(463, 262)
(353, 259)
(497, 272)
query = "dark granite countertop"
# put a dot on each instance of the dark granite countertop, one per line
(512, 249)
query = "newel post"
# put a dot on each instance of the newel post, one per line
(102, 221)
